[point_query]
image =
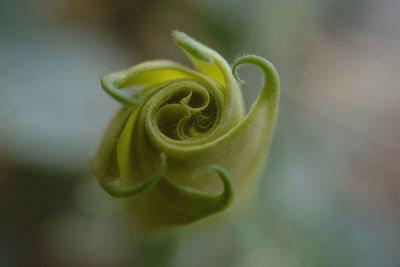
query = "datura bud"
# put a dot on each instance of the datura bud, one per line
(182, 132)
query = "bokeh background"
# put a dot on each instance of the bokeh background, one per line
(330, 193)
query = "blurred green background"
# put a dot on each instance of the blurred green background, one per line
(330, 193)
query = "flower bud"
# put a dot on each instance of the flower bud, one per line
(182, 141)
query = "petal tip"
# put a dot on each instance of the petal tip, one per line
(190, 46)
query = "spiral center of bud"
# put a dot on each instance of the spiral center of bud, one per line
(186, 114)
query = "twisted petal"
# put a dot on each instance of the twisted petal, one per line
(196, 121)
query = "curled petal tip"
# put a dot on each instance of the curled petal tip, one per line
(228, 190)
(111, 84)
(116, 189)
(271, 77)
(190, 46)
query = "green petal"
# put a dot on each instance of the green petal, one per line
(242, 150)
(204, 58)
(143, 76)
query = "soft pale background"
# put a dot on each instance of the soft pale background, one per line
(329, 194)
